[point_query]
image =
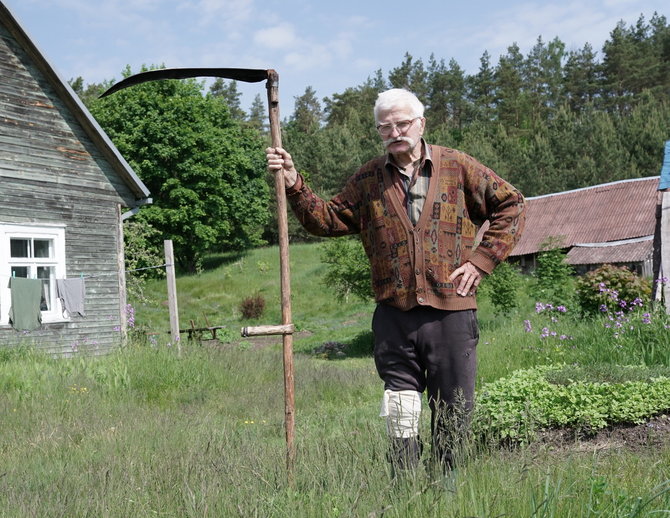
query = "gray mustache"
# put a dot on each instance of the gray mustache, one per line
(390, 141)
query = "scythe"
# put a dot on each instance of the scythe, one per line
(286, 328)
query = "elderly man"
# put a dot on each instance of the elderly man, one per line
(417, 209)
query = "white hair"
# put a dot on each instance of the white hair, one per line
(398, 98)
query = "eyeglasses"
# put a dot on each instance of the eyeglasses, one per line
(386, 129)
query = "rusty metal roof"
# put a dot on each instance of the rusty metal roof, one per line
(630, 251)
(603, 213)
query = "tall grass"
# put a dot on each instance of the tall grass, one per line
(142, 432)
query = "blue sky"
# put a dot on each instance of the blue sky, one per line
(327, 45)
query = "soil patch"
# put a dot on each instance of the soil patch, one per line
(651, 434)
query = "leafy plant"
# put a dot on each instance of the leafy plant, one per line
(517, 406)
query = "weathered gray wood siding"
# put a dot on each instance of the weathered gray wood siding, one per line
(51, 172)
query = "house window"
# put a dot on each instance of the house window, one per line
(33, 252)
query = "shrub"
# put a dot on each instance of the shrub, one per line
(348, 268)
(610, 288)
(142, 256)
(553, 276)
(502, 287)
(252, 307)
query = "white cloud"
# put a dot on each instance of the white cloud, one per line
(310, 57)
(575, 23)
(278, 37)
(224, 13)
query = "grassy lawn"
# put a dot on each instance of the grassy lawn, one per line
(144, 433)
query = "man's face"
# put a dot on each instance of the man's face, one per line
(400, 140)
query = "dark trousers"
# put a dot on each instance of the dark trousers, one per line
(434, 350)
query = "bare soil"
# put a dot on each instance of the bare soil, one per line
(641, 437)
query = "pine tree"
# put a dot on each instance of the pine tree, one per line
(229, 93)
(481, 90)
(258, 118)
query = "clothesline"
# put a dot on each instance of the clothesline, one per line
(112, 273)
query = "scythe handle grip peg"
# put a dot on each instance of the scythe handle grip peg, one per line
(286, 329)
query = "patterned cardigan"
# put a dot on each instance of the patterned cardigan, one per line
(411, 265)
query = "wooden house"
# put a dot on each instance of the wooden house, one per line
(63, 187)
(609, 223)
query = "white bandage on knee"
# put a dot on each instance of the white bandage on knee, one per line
(402, 409)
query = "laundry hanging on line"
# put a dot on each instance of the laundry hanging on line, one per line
(72, 293)
(24, 312)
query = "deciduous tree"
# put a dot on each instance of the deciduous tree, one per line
(205, 171)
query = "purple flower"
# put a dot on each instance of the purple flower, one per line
(527, 326)
(561, 309)
(646, 318)
(603, 308)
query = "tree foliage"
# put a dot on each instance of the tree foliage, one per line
(548, 120)
(205, 170)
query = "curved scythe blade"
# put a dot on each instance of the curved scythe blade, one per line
(248, 75)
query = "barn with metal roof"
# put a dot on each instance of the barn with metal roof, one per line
(608, 223)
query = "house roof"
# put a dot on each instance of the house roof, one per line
(77, 108)
(603, 213)
(628, 251)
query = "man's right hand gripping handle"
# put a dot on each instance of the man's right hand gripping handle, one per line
(280, 161)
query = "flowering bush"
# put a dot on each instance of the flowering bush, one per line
(609, 286)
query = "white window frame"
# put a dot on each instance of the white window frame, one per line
(56, 234)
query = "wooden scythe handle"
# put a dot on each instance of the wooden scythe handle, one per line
(282, 220)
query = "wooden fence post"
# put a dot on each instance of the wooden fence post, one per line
(172, 294)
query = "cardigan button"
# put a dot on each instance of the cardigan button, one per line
(420, 300)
